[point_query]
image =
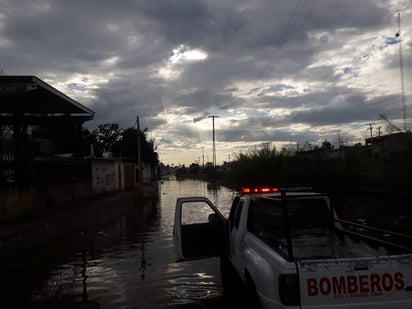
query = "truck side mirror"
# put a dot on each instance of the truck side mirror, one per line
(213, 218)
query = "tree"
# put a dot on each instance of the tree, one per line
(326, 145)
(106, 136)
(123, 142)
(307, 146)
(127, 146)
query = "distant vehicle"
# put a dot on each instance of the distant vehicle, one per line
(290, 250)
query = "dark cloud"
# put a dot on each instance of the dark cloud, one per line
(305, 58)
(362, 15)
(202, 117)
(204, 99)
(354, 108)
(177, 22)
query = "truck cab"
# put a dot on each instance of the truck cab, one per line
(290, 250)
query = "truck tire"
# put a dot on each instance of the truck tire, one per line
(235, 292)
(232, 284)
(227, 272)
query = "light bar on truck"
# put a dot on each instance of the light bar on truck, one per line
(249, 190)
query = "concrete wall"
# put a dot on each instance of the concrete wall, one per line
(15, 200)
(111, 176)
(147, 172)
(105, 176)
(18, 201)
(129, 175)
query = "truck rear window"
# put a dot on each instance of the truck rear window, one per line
(303, 214)
(310, 227)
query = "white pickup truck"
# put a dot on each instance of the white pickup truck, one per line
(291, 251)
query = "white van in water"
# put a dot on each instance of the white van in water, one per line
(291, 251)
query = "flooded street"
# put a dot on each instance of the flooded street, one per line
(130, 263)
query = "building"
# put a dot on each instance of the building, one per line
(28, 102)
(385, 147)
(42, 155)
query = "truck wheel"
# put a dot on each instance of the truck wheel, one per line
(227, 272)
(231, 283)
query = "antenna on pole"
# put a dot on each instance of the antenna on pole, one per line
(398, 34)
(370, 129)
(214, 144)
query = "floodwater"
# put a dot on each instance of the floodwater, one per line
(130, 263)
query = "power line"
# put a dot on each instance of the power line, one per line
(308, 13)
(286, 31)
(300, 8)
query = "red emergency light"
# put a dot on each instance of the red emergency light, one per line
(248, 190)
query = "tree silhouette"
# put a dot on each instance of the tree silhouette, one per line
(106, 136)
(326, 145)
(126, 146)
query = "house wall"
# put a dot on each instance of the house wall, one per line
(110, 176)
(17, 201)
(129, 175)
(105, 176)
(147, 172)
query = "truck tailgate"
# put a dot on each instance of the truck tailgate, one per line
(375, 282)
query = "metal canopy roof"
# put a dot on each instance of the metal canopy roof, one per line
(36, 102)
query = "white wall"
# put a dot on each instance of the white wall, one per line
(105, 176)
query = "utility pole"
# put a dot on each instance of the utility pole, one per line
(138, 140)
(340, 141)
(370, 128)
(398, 34)
(214, 140)
(139, 160)
(203, 157)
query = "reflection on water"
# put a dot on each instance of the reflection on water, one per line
(129, 263)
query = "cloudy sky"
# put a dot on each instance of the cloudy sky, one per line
(280, 72)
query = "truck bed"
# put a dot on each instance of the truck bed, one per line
(313, 233)
(317, 243)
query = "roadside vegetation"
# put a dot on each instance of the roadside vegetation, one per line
(54, 138)
(370, 191)
(327, 169)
